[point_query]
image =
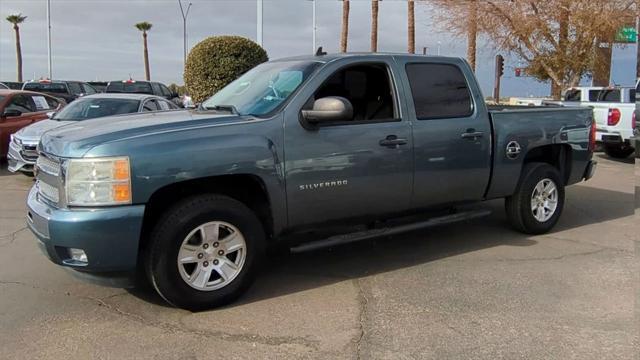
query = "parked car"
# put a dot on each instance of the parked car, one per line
(292, 153)
(100, 86)
(21, 149)
(11, 85)
(144, 87)
(67, 90)
(21, 108)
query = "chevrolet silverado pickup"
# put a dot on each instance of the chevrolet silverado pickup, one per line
(303, 152)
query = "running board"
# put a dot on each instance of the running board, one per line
(374, 233)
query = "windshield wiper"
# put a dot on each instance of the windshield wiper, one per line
(229, 108)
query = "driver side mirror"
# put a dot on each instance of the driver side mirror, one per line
(11, 113)
(330, 108)
(51, 114)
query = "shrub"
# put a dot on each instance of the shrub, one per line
(218, 60)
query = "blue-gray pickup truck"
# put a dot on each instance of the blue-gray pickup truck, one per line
(304, 152)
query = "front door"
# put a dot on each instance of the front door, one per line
(358, 168)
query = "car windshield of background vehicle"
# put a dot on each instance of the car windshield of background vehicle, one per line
(129, 87)
(264, 88)
(58, 88)
(84, 109)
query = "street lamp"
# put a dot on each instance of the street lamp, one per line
(49, 38)
(259, 21)
(314, 26)
(184, 29)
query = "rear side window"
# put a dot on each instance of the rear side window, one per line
(165, 91)
(594, 94)
(75, 88)
(156, 89)
(439, 91)
(58, 88)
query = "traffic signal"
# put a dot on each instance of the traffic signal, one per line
(518, 72)
(499, 65)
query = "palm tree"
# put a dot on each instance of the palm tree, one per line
(374, 25)
(144, 27)
(472, 33)
(15, 20)
(411, 29)
(345, 26)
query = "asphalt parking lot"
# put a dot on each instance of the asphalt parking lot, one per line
(471, 290)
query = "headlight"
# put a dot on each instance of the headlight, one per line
(99, 181)
(15, 140)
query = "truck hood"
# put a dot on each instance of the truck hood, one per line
(33, 132)
(75, 140)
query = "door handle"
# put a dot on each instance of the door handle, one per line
(392, 141)
(472, 135)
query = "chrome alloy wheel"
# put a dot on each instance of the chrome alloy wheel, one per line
(211, 256)
(544, 200)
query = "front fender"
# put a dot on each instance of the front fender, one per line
(163, 159)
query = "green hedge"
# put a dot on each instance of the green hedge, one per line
(218, 60)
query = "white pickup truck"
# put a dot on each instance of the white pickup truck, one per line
(614, 110)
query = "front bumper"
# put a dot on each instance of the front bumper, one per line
(109, 236)
(17, 162)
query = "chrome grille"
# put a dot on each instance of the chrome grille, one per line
(47, 165)
(29, 152)
(49, 192)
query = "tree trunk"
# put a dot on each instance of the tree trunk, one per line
(472, 33)
(411, 30)
(556, 90)
(18, 52)
(344, 36)
(146, 57)
(563, 40)
(374, 25)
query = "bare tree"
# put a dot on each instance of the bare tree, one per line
(411, 27)
(558, 39)
(374, 25)
(344, 35)
(17, 19)
(145, 27)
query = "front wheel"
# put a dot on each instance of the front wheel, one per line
(620, 151)
(536, 205)
(204, 252)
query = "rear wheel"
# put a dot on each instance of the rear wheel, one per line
(619, 151)
(204, 252)
(536, 205)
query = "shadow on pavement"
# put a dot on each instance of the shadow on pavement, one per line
(286, 274)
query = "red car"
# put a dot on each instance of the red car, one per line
(21, 108)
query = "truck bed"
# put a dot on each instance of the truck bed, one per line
(545, 125)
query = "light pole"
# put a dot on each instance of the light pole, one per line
(259, 22)
(49, 37)
(184, 30)
(314, 26)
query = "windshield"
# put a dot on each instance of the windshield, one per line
(84, 109)
(129, 87)
(263, 88)
(58, 88)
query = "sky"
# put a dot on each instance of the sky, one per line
(97, 40)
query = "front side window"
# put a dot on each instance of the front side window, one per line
(594, 94)
(262, 89)
(156, 89)
(150, 105)
(367, 87)
(89, 108)
(88, 89)
(165, 91)
(439, 91)
(75, 88)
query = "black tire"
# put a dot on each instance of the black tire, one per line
(518, 206)
(172, 228)
(618, 151)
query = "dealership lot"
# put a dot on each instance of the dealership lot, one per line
(471, 290)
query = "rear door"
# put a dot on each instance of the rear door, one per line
(451, 133)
